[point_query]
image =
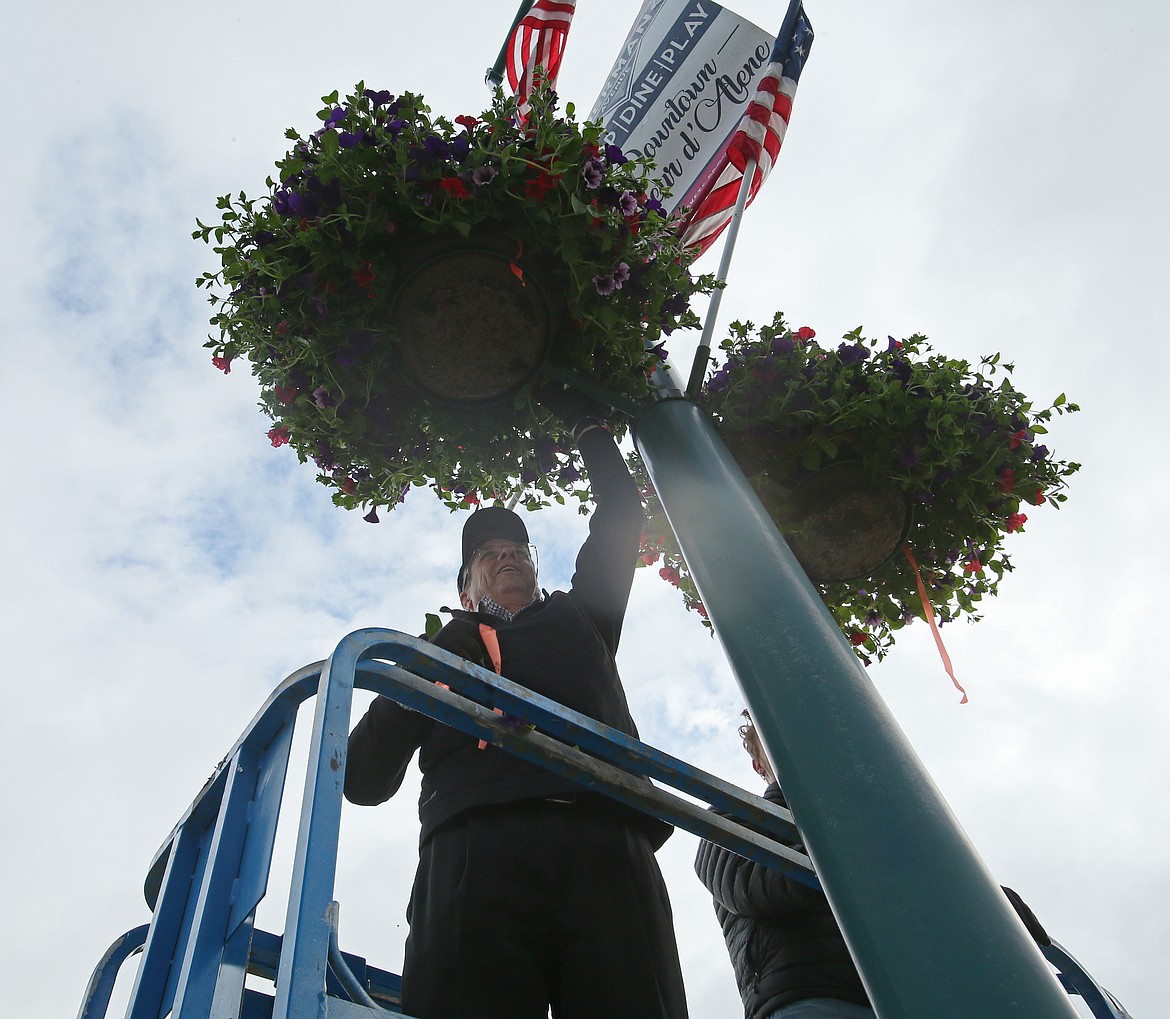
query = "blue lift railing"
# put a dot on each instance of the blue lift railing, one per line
(212, 871)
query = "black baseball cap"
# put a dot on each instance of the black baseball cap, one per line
(483, 525)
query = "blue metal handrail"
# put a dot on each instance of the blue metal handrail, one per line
(212, 870)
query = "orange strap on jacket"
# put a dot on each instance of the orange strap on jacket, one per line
(492, 643)
(928, 609)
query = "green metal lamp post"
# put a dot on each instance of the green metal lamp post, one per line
(931, 931)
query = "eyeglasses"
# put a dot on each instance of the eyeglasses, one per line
(490, 553)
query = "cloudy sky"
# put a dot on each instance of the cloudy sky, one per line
(982, 173)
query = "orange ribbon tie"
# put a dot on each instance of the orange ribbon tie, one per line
(928, 609)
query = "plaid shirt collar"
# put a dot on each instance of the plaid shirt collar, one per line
(486, 605)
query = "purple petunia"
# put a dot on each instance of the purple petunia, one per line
(435, 147)
(628, 203)
(336, 116)
(615, 155)
(607, 283)
(852, 353)
(460, 146)
(593, 173)
(482, 175)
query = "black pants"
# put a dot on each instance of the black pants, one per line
(519, 908)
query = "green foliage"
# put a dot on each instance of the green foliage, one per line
(308, 272)
(958, 440)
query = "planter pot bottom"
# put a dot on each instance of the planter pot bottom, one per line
(468, 329)
(840, 525)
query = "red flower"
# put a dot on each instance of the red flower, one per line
(349, 486)
(282, 327)
(279, 435)
(471, 498)
(650, 558)
(857, 638)
(224, 364)
(1016, 438)
(701, 609)
(454, 187)
(1016, 521)
(974, 566)
(364, 274)
(669, 574)
(467, 122)
(539, 186)
(286, 395)
(1039, 497)
(1006, 479)
(805, 333)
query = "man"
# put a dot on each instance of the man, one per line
(530, 893)
(789, 956)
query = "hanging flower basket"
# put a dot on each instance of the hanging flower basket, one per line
(963, 448)
(406, 279)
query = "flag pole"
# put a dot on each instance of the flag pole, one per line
(495, 74)
(703, 353)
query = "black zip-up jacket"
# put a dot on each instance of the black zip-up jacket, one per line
(563, 647)
(784, 942)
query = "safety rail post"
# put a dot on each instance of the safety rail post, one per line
(300, 980)
(930, 930)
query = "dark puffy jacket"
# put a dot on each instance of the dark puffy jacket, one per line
(563, 647)
(783, 940)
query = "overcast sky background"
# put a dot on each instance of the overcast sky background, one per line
(992, 175)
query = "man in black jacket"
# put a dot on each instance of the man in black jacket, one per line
(787, 951)
(530, 893)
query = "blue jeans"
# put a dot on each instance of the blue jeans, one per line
(823, 1008)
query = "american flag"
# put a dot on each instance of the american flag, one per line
(538, 40)
(759, 135)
